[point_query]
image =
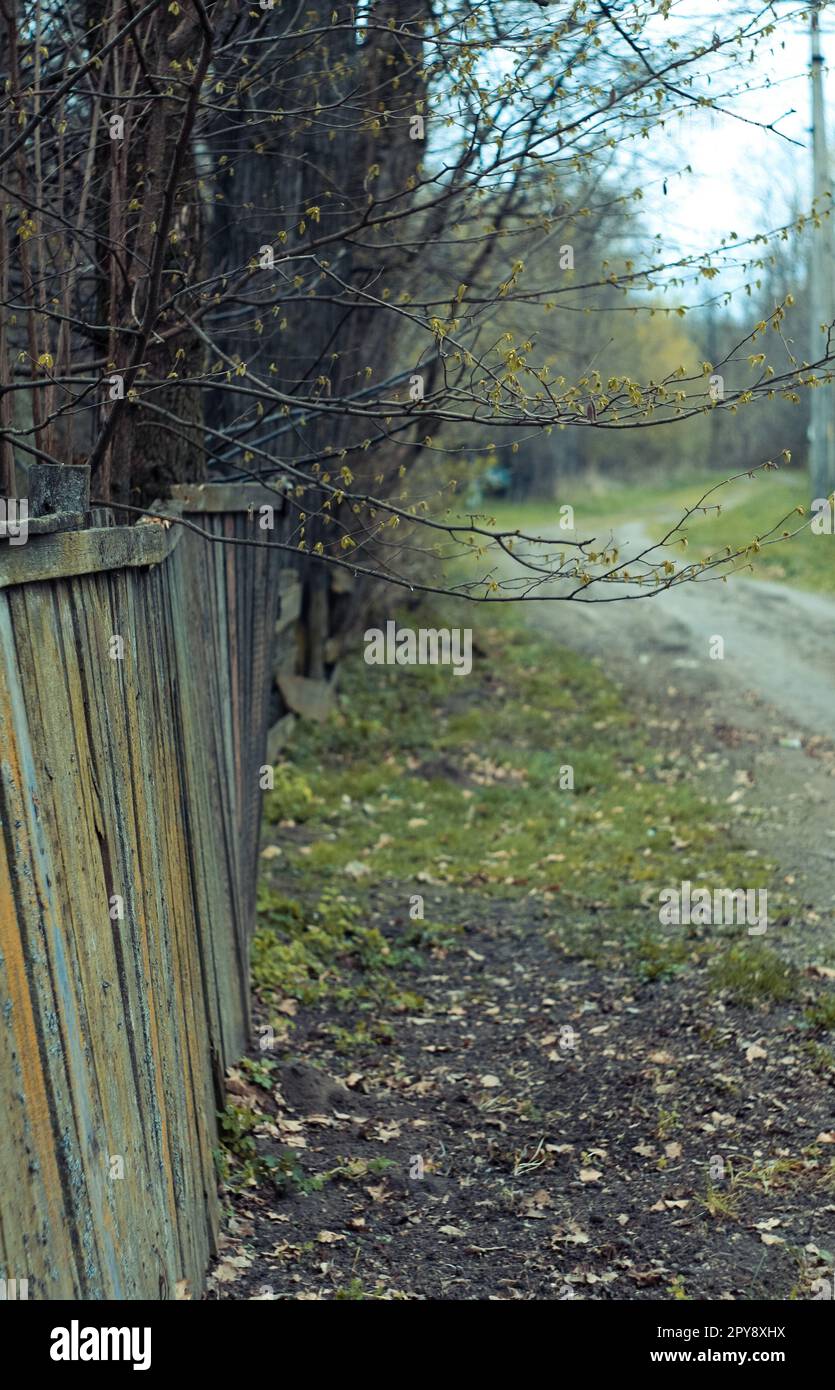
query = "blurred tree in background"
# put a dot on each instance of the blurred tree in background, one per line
(373, 245)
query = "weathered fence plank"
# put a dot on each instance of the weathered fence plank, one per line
(84, 552)
(129, 810)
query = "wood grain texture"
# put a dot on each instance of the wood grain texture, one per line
(132, 779)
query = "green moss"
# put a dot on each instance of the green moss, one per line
(821, 1014)
(460, 785)
(291, 797)
(327, 951)
(753, 973)
(423, 779)
(656, 958)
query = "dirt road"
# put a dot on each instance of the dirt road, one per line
(770, 698)
(779, 643)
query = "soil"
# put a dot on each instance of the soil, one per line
(549, 1170)
(557, 1128)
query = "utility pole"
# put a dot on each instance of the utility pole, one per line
(822, 270)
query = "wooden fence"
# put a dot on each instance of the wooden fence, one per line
(135, 677)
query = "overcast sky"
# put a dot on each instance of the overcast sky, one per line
(743, 178)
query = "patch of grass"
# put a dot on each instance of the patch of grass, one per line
(308, 954)
(669, 1122)
(291, 797)
(771, 1173)
(753, 974)
(721, 1202)
(656, 958)
(236, 1125)
(259, 1070)
(821, 1058)
(804, 560)
(355, 1292)
(613, 501)
(358, 1169)
(821, 1014)
(363, 1036)
(424, 781)
(756, 1175)
(748, 511)
(329, 951)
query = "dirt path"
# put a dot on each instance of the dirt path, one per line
(545, 1133)
(542, 1122)
(771, 696)
(779, 643)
